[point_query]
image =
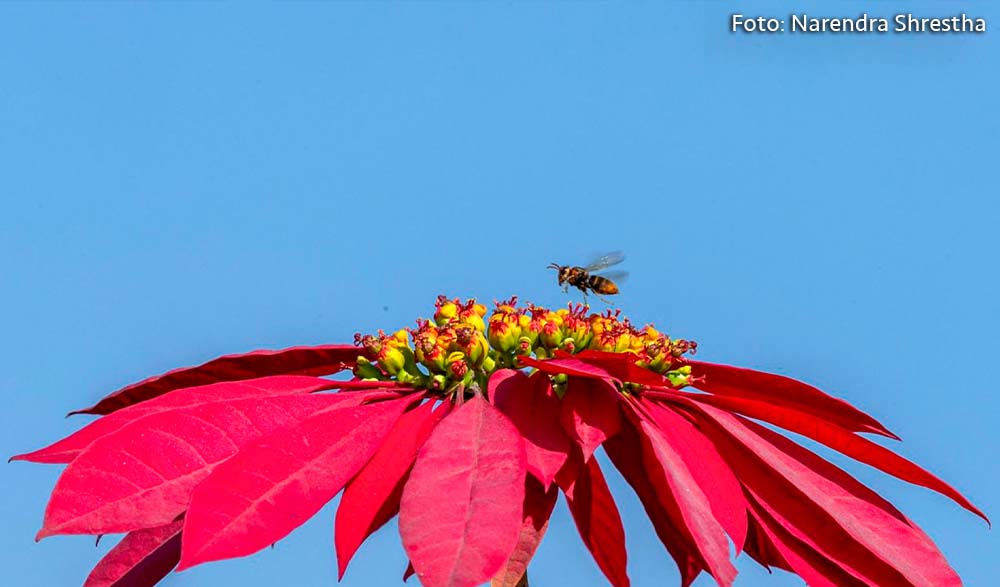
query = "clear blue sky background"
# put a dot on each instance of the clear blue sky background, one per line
(181, 181)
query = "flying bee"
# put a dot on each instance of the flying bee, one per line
(582, 278)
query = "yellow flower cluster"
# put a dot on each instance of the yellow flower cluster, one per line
(452, 349)
(458, 347)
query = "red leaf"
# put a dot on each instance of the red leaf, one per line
(620, 365)
(841, 440)
(366, 385)
(800, 558)
(460, 515)
(825, 507)
(680, 491)
(714, 477)
(760, 547)
(65, 450)
(372, 498)
(301, 360)
(533, 407)
(590, 413)
(569, 366)
(570, 470)
(141, 559)
(276, 483)
(538, 505)
(409, 572)
(142, 475)
(783, 391)
(598, 522)
(625, 451)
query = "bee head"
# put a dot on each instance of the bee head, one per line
(562, 269)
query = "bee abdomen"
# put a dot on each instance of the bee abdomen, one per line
(602, 285)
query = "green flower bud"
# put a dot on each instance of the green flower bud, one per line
(679, 377)
(503, 335)
(366, 370)
(391, 359)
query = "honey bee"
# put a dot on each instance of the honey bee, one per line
(582, 278)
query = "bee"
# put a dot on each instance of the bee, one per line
(582, 278)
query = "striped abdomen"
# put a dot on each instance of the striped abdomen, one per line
(602, 285)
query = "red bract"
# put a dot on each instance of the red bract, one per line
(590, 413)
(538, 504)
(468, 428)
(476, 456)
(532, 406)
(372, 498)
(144, 473)
(597, 519)
(143, 557)
(311, 360)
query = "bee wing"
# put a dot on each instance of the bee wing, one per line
(605, 261)
(618, 277)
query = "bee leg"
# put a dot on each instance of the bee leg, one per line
(604, 299)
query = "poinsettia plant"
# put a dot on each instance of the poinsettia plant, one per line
(468, 428)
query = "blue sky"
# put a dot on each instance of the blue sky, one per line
(182, 181)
